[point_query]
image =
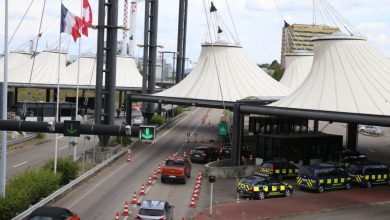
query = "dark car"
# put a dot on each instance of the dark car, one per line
(155, 209)
(226, 150)
(262, 186)
(319, 177)
(344, 158)
(278, 168)
(204, 154)
(368, 173)
(53, 213)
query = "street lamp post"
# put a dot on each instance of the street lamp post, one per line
(88, 138)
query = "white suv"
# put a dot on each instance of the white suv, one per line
(370, 129)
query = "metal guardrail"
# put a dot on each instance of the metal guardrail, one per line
(19, 140)
(67, 187)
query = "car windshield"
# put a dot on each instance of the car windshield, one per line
(175, 163)
(249, 179)
(151, 212)
(198, 151)
(306, 171)
(41, 218)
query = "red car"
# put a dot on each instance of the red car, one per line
(55, 213)
(177, 168)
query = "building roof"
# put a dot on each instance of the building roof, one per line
(239, 77)
(127, 74)
(15, 58)
(347, 75)
(45, 70)
(298, 66)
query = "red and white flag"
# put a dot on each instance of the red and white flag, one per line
(87, 17)
(70, 23)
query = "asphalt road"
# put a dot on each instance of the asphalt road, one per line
(36, 155)
(105, 194)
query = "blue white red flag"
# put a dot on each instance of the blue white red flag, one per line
(70, 23)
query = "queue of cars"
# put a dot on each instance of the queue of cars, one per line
(350, 168)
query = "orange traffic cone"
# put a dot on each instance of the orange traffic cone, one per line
(155, 175)
(129, 158)
(199, 173)
(199, 182)
(134, 201)
(195, 195)
(196, 187)
(182, 218)
(197, 191)
(250, 157)
(159, 169)
(126, 210)
(150, 181)
(142, 190)
(192, 203)
(117, 216)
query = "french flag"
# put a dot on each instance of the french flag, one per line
(70, 23)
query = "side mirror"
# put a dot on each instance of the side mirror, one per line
(51, 126)
(171, 206)
(128, 130)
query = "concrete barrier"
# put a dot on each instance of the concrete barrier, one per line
(224, 169)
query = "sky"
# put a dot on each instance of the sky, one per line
(258, 23)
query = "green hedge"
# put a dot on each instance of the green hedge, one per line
(157, 120)
(66, 167)
(27, 189)
(179, 110)
(125, 141)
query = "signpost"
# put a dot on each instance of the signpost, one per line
(72, 128)
(147, 133)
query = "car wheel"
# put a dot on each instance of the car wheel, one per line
(368, 184)
(163, 179)
(185, 180)
(287, 193)
(321, 189)
(261, 195)
(348, 186)
(189, 174)
(388, 182)
(361, 131)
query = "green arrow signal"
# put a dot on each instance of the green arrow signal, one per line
(147, 134)
(72, 129)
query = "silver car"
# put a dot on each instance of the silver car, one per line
(370, 129)
(155, 209)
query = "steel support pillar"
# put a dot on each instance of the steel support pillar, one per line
(150, 54)
(181, 39)
(47, 95)
(1, 100)
(109, 48)
(237, 135)
(352, 136)
(315, 126)
(128, 105)
(16, 95)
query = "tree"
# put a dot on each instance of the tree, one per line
(276, 67)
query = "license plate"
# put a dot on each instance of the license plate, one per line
(172, 176)
(197, 156)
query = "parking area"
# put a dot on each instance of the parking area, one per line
(228, 205)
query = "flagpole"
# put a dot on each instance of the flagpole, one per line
(77, 90)
(58, 98)
(5, 101)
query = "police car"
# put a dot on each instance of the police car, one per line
(260, 186)
(279, 169)
(368, 173)
(319, 177)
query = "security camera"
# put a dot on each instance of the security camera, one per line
(128, 130)
(51, 126)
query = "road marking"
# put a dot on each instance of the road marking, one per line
(174, 126)
(17, 165)
(371, 150)
(63, 147)
(59, 137)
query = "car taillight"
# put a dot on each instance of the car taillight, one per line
(204, 155)
(272, 168)
(163, 218)
(138, 217)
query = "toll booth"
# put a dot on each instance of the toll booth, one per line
(292, 140)
(45, 111)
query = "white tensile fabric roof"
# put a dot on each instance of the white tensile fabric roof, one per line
(45, 70)
(239, 77)
(15, 58)
(127, 74)
(348, 75)
(298, 66)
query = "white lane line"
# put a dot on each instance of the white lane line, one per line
(18, 165)
(371, 150)
(63, 147)
(96, 186)
(174, 126)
